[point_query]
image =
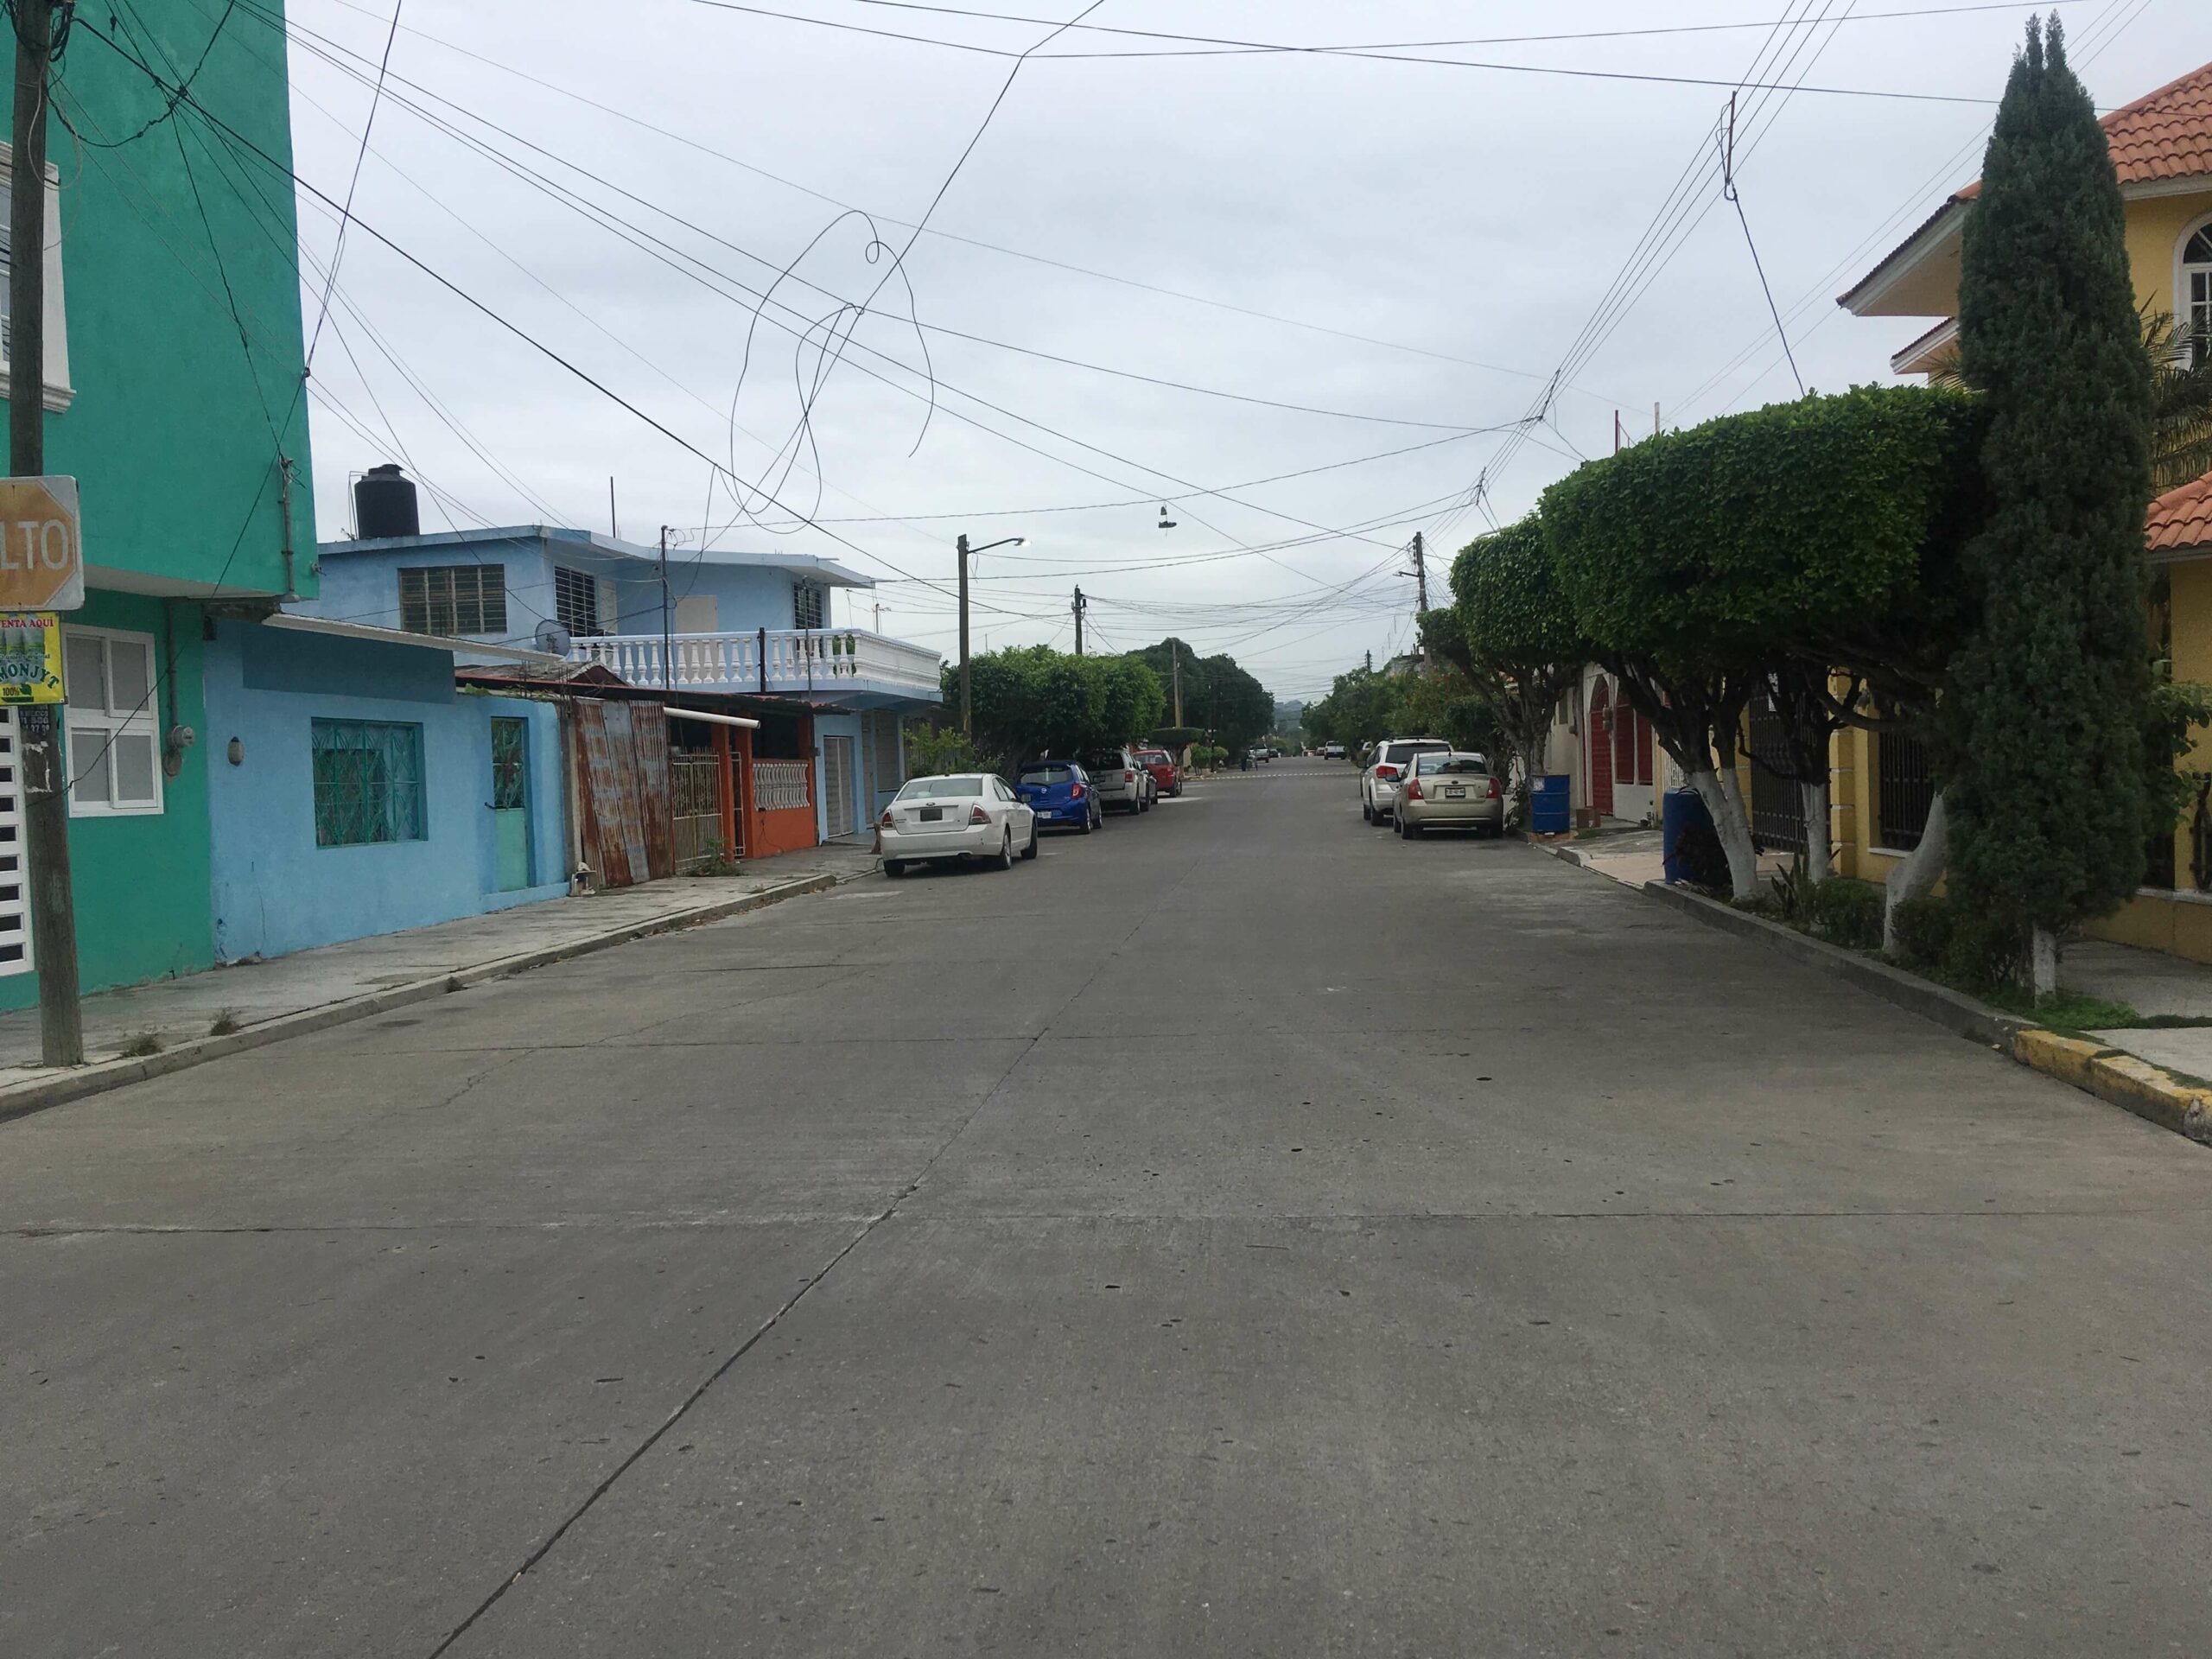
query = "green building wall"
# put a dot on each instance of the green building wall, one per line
(173, 245)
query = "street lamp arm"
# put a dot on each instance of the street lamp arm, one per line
(1010, 541)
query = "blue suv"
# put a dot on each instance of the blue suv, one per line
(1061, 793)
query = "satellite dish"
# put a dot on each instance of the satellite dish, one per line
(552, 639)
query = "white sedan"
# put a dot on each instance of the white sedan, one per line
(969, 815)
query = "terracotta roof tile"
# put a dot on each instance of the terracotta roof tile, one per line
(2166, 134)
(2181, 519)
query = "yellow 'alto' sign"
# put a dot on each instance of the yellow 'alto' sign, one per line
(42, 551)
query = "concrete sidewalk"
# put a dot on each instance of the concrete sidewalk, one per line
(173, 1021)
(2153, 984)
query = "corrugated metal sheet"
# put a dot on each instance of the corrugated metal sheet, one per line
(627, 817)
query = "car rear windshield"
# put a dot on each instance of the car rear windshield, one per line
(925, 788)
(1154, 757)
(1048, 774)
(1104, 760)
(1398, 754)
(1467, 765)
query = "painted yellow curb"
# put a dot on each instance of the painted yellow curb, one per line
(2122, 1079)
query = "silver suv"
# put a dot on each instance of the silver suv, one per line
(1386, 771)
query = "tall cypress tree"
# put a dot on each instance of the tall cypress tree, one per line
(2045, 715)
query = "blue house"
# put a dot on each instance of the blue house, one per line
(353, 789)
(706, 627)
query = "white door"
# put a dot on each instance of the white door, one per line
(838, 785)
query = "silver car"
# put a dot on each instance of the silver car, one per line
(1387, 767)
(1455, 790)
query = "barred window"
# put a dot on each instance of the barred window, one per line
(368, 783)
(575, 603)
(809, 605)
(453, 599)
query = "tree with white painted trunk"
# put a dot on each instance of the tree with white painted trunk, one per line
(1789, 541)
(1511, 628)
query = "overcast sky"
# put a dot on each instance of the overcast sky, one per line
(1468, 221)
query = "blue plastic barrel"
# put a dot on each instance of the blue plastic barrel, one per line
(1679, 810)
(1549, 812)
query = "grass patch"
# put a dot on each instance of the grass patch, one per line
(226, 1021)
(146, 1044)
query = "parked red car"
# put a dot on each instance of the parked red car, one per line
(1166, 775)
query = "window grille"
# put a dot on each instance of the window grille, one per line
(2196, 293)
(809, 605)
(453, 599)
(509, 764)
(1904, 788)
(575, 603)
(368, 783)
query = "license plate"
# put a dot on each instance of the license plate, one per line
(1457, 792)
(932, 814)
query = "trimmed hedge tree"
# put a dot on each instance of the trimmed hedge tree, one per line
(1516, 633)
(2050, 698)
(1821, 534)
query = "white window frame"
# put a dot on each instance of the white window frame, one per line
(58, 394)
(2183, 316)
(90, 727)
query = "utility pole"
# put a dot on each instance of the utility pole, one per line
(1080, 606)
(667, 652)
(967, 709)
(46, 803)
(1175, 672)
(1370, 662)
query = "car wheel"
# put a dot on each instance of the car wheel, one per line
(1409, 831)
(1366, 812)
(1086, 821)
(1030, 851)
(1005, 859)
(892, 867)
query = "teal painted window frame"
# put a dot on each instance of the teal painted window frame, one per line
(368, 783)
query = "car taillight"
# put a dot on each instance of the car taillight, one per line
(1413, 791)
(886, 819)
(976, 814)
(1386, 772)
(1493, 789)
(1129, 777)
(1076, 794)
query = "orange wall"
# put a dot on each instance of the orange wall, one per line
(786, 832)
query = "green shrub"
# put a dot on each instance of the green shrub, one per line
(1924, 930)
(1845, 913)
(1985, 948)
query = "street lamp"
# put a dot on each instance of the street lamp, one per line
(967, 710)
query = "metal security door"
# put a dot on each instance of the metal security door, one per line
(838, 785)
(509, 803)
(1601, 750)
(1777, 802)
(15, 882)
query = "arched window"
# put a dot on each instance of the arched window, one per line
(2194, 294)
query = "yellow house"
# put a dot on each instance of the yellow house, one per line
(2161, 146)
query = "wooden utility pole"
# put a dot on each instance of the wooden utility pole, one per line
(1080, 606)
(1175, 672)
(46, 790)
(967, 709)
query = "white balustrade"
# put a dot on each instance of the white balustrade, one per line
(797, 659)
(779, 785)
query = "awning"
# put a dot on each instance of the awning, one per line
(674, 713)
(376, 635)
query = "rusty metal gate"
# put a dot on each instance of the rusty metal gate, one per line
(695, 800)
(1777, 803)
(622, 776)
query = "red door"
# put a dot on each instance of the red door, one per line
(1600, 740)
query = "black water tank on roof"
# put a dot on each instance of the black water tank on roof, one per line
(384, 504)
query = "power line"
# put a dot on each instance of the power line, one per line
(346, 213)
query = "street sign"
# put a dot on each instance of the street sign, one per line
(41, 552)
(31, 657)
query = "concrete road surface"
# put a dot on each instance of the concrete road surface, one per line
(1236, 1233)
